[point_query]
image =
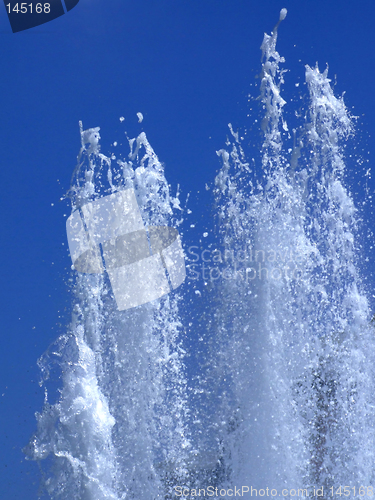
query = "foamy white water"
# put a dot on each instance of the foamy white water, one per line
(300, 344)
(119, 424)
(284, 396)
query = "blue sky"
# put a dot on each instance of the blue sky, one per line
(188, 66)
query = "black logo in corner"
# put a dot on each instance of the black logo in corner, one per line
(25, 15)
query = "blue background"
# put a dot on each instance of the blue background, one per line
(188, 66)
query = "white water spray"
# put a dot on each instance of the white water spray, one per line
(300, 362)
(285, 396)
(118, 428)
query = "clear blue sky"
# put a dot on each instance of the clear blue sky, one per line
(188, 66)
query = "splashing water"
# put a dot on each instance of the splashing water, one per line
(301, 356)
(285, 397)
(118, 428)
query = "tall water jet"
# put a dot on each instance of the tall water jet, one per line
(117, 429)
(297, 344)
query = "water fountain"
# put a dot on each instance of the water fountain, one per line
(284, 398)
